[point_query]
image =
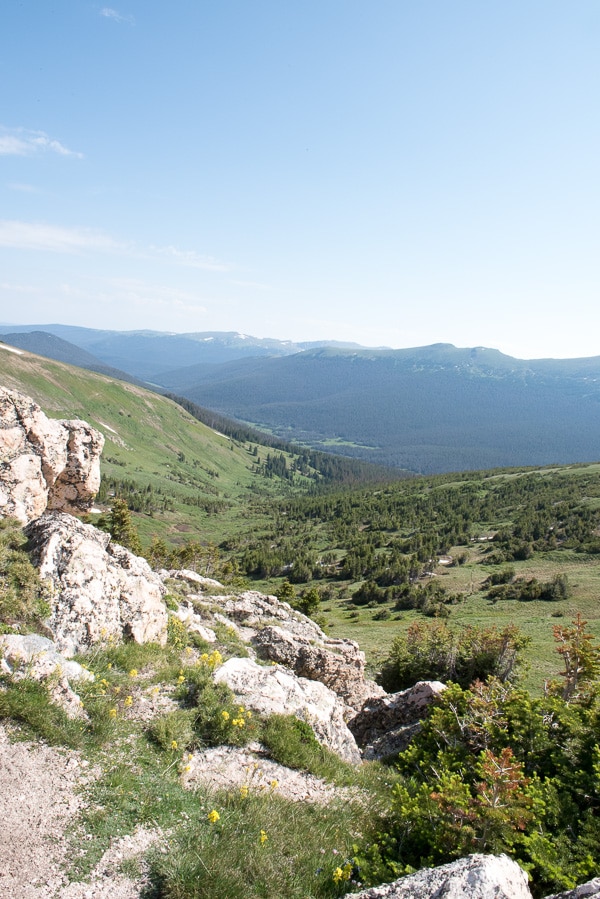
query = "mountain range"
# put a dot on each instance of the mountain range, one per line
(427, 409)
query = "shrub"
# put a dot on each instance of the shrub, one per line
(433, 651)
(23, 605)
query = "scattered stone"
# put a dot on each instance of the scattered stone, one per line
(184, 574)
(37, 657)
(194, 623)
(473, 877)
(276, 690)
(45, 463)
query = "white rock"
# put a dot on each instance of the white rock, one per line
(99, 590)
(473, 877)
(275, 690)
(45, 463)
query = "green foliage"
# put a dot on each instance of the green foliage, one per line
(527, 590)
(175, 730)
(292, 742)
(286, 592)
(218, 718)
(434, 651)
(260, 846)
(308, 602)
(177, 633)
(23, 605)
(120, 526)
(29, 703)
(493, 770)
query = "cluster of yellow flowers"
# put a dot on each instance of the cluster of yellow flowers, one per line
(213, 660)
(105, 688)
(213, 816)
(263, 837)
(344, 873)
(186, 759)
(255, 776)
(239, 720)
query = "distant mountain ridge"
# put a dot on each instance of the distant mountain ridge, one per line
(426, 409)
(146, 354)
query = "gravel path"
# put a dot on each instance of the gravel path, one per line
(39, 799)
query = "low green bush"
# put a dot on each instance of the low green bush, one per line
(434, 651)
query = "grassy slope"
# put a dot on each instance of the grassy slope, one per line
(145, 435)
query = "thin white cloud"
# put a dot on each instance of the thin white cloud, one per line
(54, 238)
(24, 142)
(190, 258)
(110, 13)
(36, 236)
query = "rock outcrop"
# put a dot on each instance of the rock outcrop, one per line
(99, 590)
(45, 463)
(473, 877)
(337, 663)
(272, 690)
(385, 725)
(283, 635)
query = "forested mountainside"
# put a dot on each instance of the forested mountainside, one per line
(432, 409)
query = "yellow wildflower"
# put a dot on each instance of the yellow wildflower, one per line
(225, 715)
(112, 713)
(274, 784)
(180, 679)
(338, 875)
(263, 837)
(186, 768)
(244, 791)
(213, 816)
(128, 701)
(133, 672)
(173, 744)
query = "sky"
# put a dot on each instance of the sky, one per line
(389, 172)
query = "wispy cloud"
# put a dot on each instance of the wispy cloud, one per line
(190, 258)
(54, 238)
(110, 13)
(23, 142)
(36, 236)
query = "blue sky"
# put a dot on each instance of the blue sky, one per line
(395, 172)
